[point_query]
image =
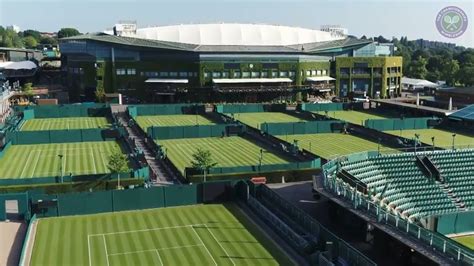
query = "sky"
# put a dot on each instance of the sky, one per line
(412, 18)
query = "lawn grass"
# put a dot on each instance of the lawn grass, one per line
(65, 123)
(42, 160)
(467, 241)
(256, 119)
(145, 121)
(227, 152)
(188, 235)
(330, 145)
(443, 139)
(354, 117)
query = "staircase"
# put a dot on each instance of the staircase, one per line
(159, 174)
(452, 196)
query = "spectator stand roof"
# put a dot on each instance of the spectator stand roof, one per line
(467, 113)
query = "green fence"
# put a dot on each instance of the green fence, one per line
(131, 199)
(239, 108)
(22, 203)
(311, 127)
(5, 149)
(55, 136)
(315, 107)
(65, 110)
(456, 223)
(197, 131)
(165, 109)
(62, 136)
(399, 123)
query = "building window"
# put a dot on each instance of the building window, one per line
(264, 74)
(283, 74)
(173, 74)
(274, 74)
(225, 74)
(318, 72)
(292, 74)
(344, 70)
(245, 74)
(237, 74)
(255, 74)
(183, 74)
(131, 71)
(308, 73)
(216, 74)
(314, 73)
(121, 71)
(190, 74)
(206, 74)
(164, 74)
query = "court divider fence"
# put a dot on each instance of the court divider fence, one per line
(401, 123)
(249, 108)
(65, 110)
(197, 131)
(165, 109)
(455, 223)
(315, 107)
(309, 127)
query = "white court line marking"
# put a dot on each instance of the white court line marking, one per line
(106, 253)
(26, 163)
(34, 168)
(93, 160)
(204, 245)
(159, 257)
(150, 250)
(219, 244)
(146, 230)
(89, 250)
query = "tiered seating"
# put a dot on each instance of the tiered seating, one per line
(409, 192)
(457, 168)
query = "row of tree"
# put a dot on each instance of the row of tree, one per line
(453, 64)
(32, 38)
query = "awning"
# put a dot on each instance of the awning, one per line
(18, 65)
(321, 78)
(154, 80)
(250, 80)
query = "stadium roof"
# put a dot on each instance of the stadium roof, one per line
(233, 34)
(307, 48)
(467, 113)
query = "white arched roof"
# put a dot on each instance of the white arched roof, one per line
(233, 34)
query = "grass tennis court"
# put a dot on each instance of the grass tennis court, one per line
(227, 152)
(330, 145)
(146, 121)
(42, 160)
(65, 123)
(354, 117)
(442, 138)
(467, 241)
(190, 235)
(256, 119)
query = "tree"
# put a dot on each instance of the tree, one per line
(418, 69)
(202, 160)
(449, 71)
(67, 32)
(48, 40)
(33, 33)
(118, 163)
(28, 90)
(466, 75)
(100, 94)
(30, 42)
